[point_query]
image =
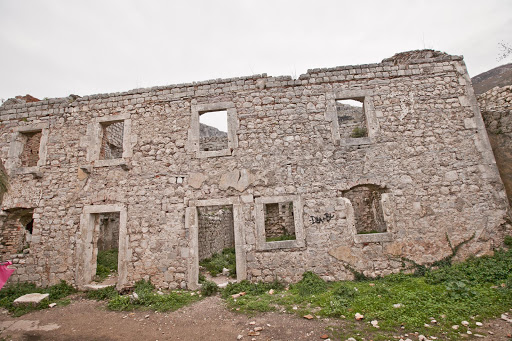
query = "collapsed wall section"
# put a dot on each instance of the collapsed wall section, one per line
(424, 148)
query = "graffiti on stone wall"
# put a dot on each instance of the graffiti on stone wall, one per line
(327, 217)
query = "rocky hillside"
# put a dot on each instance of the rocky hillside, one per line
(499, 76)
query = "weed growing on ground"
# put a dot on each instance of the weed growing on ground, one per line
(208, 288)
(147, 298)
(479, 288)
(106, 263)
(310, 284)
(102, 294)
(217, 262)
(12, 291)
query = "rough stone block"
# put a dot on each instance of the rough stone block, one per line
(30, 299)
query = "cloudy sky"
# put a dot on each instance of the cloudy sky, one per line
(56, 48)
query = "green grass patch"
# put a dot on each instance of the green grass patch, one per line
(106, 263)
(146, 298)
(11, 292)
(102, 294)
(225, 259)
(280, 238)
(479, 288)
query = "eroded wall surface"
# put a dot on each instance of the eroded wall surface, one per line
(496, 108)
(426, 149)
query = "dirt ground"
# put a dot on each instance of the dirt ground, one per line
(208, 319)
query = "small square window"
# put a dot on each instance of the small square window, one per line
(112, 140)
(29, 156)
(279, 222)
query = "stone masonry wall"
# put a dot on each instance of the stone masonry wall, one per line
(496, 108)
(426, 145)
(216, 230)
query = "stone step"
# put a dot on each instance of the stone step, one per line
(92, 287)
(33, 299)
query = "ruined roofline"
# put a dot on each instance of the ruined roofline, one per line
(402, 59)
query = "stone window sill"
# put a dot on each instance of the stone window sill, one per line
(34, 170)
(114, 162)
(350, 141)
(373, 237)
(281, 245)
(213, 153)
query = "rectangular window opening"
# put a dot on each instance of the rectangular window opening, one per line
(31, 142)
(16, 232)
(107, 244)
(279, 221)
(351, 118)
(366, 201)
(216, 243)
(213, 130)
(112, 140)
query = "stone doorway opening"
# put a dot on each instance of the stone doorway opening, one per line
(216, 241)
(102, 251)
(216, 244)
(107, 245)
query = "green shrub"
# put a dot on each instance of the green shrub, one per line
(358, 132)
(102, 294)
(11, 292)
(106, 263)
(280, 238)
(508, 241)
(310, 284)
(209, 288)
(249, 288)
(487, 269)
(217, 262)
(149, 299)
(459, 290)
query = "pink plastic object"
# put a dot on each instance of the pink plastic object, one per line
(5, 273)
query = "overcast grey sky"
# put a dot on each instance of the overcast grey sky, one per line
(56, 48)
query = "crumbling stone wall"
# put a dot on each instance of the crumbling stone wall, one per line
(496, 108)
(216, 230)
(426, 145)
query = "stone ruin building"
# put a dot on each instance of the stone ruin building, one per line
(343, 168)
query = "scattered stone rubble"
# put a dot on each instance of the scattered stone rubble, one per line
(424, 162)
